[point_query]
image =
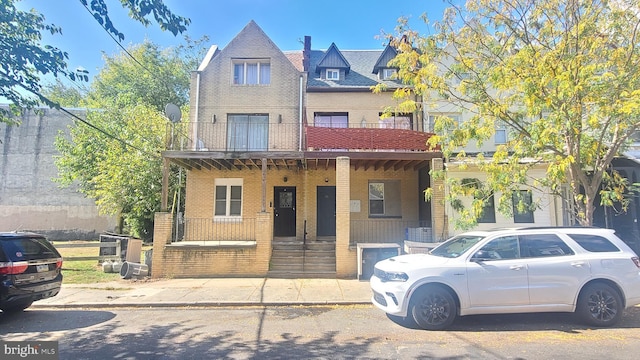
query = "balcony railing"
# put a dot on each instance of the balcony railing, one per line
(210, 231)
(227, 137)
(389, 231)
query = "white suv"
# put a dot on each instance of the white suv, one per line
(589, 271)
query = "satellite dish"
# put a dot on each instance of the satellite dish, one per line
(173, 112)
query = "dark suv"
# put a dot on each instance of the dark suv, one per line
(29, 270)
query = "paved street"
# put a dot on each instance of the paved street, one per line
(325, 332)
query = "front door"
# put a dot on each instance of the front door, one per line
(284, 211)
(326, 212)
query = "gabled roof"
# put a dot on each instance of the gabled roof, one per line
(333, 59)
(387, 55)
(360, 77)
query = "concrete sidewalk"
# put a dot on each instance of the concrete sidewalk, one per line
(210, 292)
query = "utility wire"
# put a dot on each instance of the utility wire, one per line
(57, 105)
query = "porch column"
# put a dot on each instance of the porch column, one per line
(345, 259)
(440, 223)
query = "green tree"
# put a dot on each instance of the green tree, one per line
(562, 76)
(24, 58)
(120, 166)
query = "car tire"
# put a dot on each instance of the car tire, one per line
(16, 307)
(599, 305)
(433, 308)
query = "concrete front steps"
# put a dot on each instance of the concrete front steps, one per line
(292, 258)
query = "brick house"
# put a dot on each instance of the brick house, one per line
(291, 168)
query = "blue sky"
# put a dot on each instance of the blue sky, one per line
(351, 24)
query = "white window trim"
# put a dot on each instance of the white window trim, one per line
(246, 62)
(328, 71)
(228, 182)
(388, 73)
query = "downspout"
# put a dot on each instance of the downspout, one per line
(300, 113)
(195, 127)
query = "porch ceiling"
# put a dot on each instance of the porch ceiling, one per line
(313, 160)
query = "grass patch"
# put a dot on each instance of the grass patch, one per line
(86, 271)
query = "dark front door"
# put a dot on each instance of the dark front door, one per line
(284, 211)
(326, 211)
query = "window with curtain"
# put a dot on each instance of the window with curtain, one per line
(251, 72)
(333, 120)
(247, 132)
(396, 121)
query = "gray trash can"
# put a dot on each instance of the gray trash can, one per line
(133, 270)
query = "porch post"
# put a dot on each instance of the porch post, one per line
(164, 196)
(345, 259)
(440, 223)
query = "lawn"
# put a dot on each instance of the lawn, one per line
(86, 271)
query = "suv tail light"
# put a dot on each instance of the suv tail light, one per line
(636, 261)
(59, 263)
(13, 268)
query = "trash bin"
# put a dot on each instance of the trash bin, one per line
(129, 270)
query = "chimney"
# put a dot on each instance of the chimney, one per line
(306, 53)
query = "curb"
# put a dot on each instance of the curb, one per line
(197, 305)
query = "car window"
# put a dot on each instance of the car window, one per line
(544, 245)
(506, 247)
(456, 246)
(594, 243)
(25, 249)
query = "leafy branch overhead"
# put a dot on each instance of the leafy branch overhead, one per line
(560, 78)
(24, 59)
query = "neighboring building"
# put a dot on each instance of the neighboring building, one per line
(29, 199)
(291, 169)
(551, 212)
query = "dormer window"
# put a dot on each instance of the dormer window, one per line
(333, 74)
(389, 74)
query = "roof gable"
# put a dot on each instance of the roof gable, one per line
(333, 59)
(387, 55)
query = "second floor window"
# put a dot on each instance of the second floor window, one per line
(397, 121)
(251, 72)
(332, 120)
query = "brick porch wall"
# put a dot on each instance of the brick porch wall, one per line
(210, 261)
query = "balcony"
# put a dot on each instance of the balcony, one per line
(196, 145)
(205, 136)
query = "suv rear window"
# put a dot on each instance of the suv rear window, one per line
(27, 248)
(594, 243)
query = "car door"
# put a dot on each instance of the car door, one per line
(555, 271)
(497, 275)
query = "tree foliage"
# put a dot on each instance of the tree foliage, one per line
(562, 76)
(121, 167)
(24, 59)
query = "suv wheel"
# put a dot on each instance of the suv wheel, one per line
(16, 307)
(599, 305)
(433, 308)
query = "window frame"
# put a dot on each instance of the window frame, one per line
(526, 217)
(488, 211)
(391, 199)
(389, 73)
(332, 71)
(259, 72)
(228, 184)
